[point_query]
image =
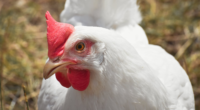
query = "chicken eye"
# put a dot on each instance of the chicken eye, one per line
(80, 46)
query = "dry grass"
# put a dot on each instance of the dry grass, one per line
(174, 25)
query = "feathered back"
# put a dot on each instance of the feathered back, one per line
(101, 13)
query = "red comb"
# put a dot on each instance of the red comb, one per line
(57, 35)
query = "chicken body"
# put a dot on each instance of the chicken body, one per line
(126, 73)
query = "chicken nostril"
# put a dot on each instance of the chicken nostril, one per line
(56, 59)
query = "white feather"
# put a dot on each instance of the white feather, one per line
(101, 13)
(122, 16)
(142, 80)
(126, 72)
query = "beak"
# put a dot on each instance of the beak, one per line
(51, 68)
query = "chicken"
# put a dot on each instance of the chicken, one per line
(95, 64)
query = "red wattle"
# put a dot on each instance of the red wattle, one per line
(79, 79)
(63, 79)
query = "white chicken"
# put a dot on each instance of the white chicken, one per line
(106, 63)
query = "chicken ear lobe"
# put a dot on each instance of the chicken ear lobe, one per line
(57, 35)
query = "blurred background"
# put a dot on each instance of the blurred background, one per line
(172, 24)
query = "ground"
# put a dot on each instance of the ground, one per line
(172, 24)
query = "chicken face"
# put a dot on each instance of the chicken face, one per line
(68, 68)
(69, 56)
